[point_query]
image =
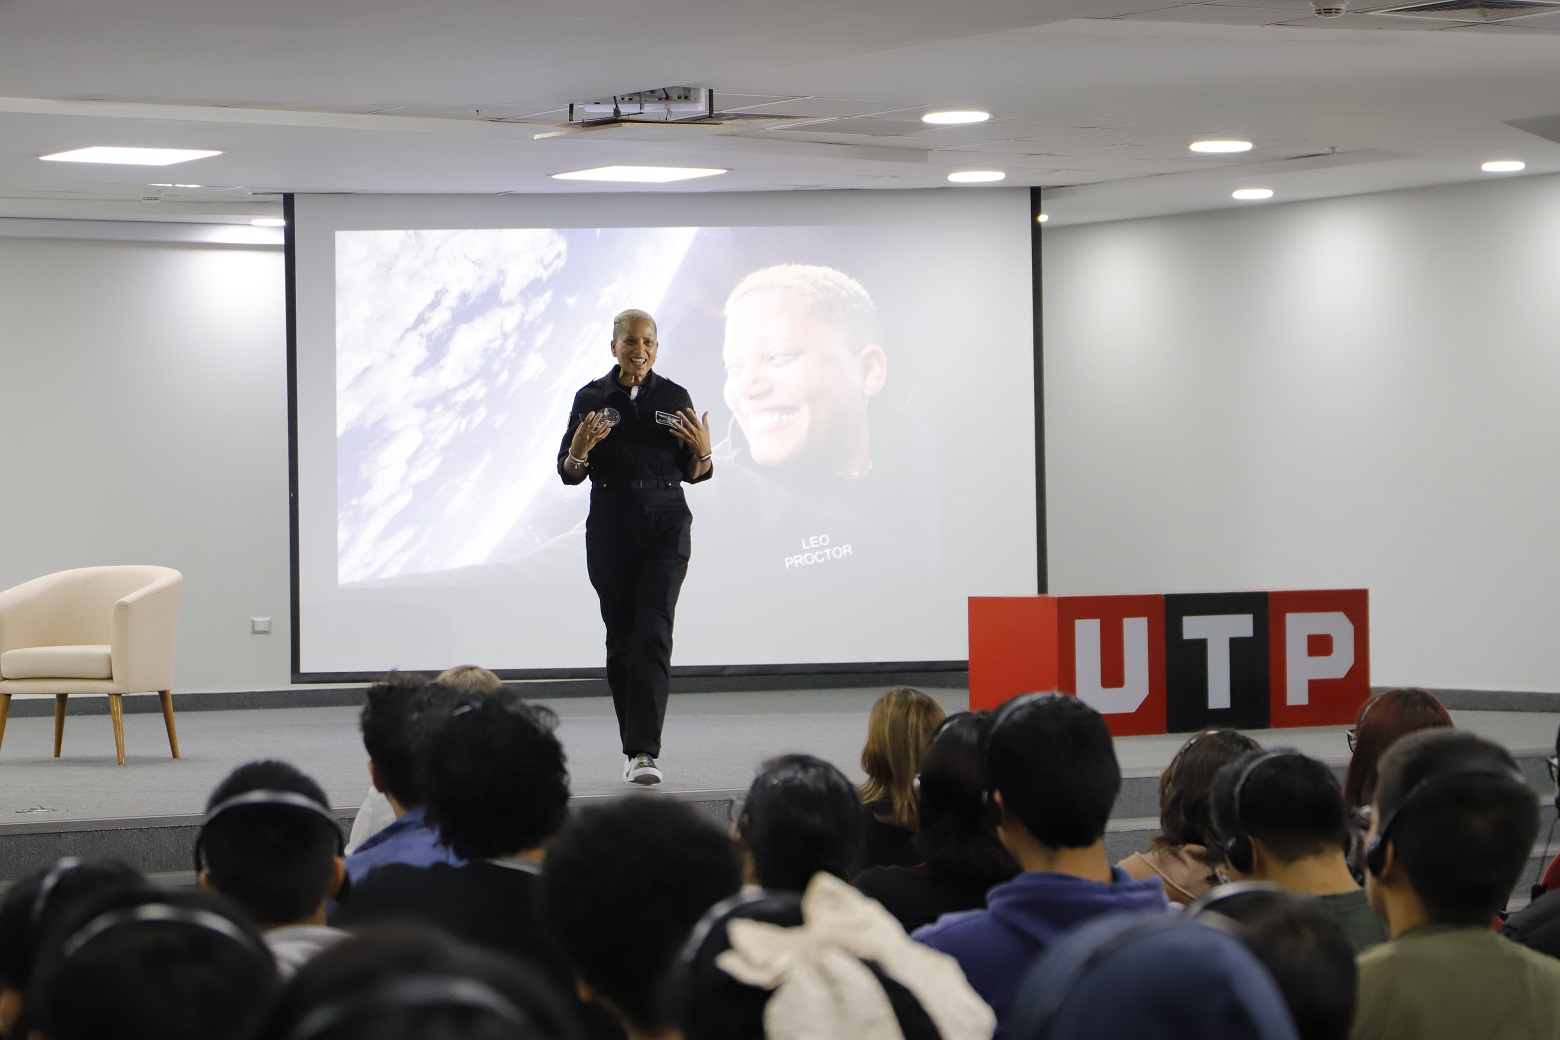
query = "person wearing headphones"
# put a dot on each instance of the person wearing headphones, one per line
(1053, 778)
(1452, 827)
(1278, 816)
(270, 844)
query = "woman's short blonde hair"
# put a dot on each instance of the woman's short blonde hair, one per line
(627, 318)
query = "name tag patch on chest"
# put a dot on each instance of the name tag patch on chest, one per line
(668, 418)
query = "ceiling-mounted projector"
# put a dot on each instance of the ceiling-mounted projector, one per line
(663, 104)
(664, 107)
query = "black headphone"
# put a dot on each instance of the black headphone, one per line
(1376, 851)
(1237, 849)
(1210, 901)
(1005, 713)
(412, 993)
(46, 887)
(266, 797)
(163, 913)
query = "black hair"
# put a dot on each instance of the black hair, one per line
(1051, 758)
(801, 816)
(1462, 841)
(1184, 786)
(189, 967)
(954, 839)
(1291, 802)
(416, 982)
(275, 861)
(1306, 951)
(32, 908)
(391, 725)
(709, 1004)
(493, 773)
(622, 919)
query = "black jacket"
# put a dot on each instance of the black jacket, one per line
(641, 447)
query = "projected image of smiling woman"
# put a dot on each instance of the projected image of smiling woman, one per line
(803, 361)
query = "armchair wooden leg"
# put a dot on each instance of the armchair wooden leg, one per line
(166, 696)
(5, 712)
(59, 722)
(116, 709)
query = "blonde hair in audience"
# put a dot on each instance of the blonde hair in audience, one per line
(898, 731)
(469, 678)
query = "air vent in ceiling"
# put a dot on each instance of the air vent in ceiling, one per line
(1473, 10)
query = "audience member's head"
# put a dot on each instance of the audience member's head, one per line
(1185, 783)
(1453, 824)
(270, 844)
(898, 731)
(416, 983)
(1302, 946)
(152, 966)
(1154, 977)
(801, 816)
(30, 913)
(390, 721)
(469, 678)
(623, 919)
(492, 773)
(1381, 721)
(1053, 773)
(954, 838)
(828, 965)
(1274, 809)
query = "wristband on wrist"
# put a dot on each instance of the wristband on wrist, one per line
(706, 458)
(580, 462)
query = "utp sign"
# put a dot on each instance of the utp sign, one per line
(1179, 663)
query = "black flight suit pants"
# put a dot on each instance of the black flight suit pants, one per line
(637, 544)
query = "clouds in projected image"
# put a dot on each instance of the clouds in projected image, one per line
(456, 356)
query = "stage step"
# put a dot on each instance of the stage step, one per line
(164, 846)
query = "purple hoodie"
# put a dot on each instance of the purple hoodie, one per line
(1023, 917)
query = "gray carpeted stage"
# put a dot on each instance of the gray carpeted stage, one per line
(146, 811)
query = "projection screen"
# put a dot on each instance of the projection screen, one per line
(871, 393)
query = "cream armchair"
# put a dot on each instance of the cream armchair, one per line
(91, 630)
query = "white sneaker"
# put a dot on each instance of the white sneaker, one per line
(641, 770)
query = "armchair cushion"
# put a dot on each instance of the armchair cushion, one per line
(57, 662)
(132, 609)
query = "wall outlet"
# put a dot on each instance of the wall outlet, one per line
(260, 626)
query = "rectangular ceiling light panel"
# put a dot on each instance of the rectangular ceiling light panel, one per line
(129, 156)
(638, 174)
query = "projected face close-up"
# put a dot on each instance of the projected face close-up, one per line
(795, 385)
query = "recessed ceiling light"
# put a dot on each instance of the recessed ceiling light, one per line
(159, 184)
(1251, 194)
(952, 118)
(129, 156)
(1503, 166)
(976, 176)
(638, 174)
(269, 222)
(1041, 218)
(1220, 147)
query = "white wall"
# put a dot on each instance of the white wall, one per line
(143, 418)
(1352, 392)
(1360, 391)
